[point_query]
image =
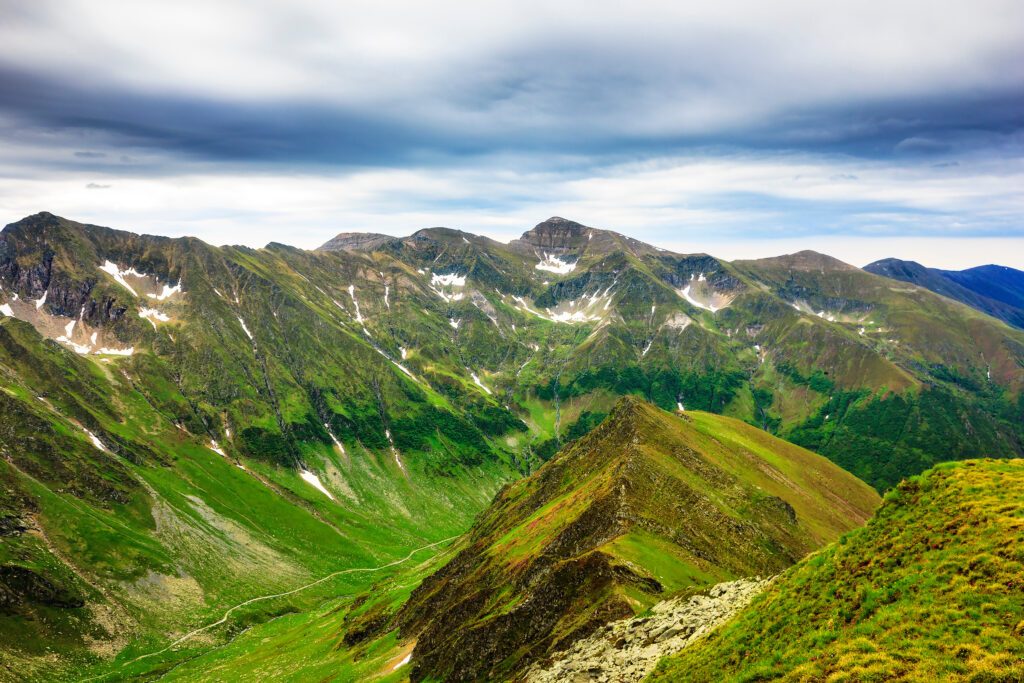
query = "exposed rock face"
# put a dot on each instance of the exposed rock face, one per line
(557, 234)
(355, 241)
(19, 585)
(628, 650)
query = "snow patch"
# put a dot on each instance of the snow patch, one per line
(553, 264)
(215, 447)
(387, 291)
(152, 315)
(311, 478)
(392, 361)
(352, 293)
(572, 317)
(244, 328)
(111, 269)
(41, 301)
(454, 323)
(335, 439)
(394, 451)
(95, 441)
(476, 381)
(685, 293)
(402, 663)
(168, 291)
(65, 338)
(680, 406)
(6, 310)
(404, 352)
(448, 280)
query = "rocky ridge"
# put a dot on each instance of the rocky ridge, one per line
(628, 650)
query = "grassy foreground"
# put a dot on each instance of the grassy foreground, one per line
(931, 589)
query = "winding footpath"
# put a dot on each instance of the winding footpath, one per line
(261, 598)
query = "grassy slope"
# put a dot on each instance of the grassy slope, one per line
(929, 590)
(170, 534)
(629, 514)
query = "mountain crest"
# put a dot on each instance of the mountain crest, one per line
(556, 556)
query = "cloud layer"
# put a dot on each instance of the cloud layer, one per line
(724, 121)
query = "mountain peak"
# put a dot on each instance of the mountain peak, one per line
(557, 233)
(803, 260)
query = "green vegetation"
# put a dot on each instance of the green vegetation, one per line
(929, 590)
(625, 516)
(143, 495)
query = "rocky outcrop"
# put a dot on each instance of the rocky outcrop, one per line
(20, 586)
(627, 650)
(556, 234)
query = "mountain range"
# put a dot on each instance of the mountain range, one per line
(996, 290)
(194, 432)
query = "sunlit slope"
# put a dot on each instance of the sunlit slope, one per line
(929, 590)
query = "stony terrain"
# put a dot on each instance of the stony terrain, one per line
(627, 650)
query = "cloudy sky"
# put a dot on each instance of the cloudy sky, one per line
(741, 128)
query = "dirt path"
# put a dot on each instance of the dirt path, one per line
(261, 598)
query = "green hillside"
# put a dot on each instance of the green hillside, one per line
(929, 590)
(120, 532)
(647, 505)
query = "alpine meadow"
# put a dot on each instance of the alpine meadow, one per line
(270, 426)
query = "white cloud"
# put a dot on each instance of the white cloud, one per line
(688, 204)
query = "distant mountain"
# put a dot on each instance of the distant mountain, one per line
(996, 290)
(355, 241)
(928, 590)
(648, 504)
(1001, 283)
